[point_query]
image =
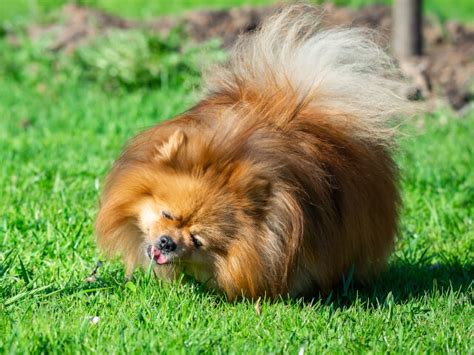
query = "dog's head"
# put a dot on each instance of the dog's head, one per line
(185, 207)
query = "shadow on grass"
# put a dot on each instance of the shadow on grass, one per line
(404, 281)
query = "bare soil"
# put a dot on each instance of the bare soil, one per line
(446, 70)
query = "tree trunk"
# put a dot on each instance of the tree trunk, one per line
(407, 28)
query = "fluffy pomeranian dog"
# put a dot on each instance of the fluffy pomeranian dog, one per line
(280, 181)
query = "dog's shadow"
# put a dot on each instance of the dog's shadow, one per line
(402, 282)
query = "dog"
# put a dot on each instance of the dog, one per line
(280, 181)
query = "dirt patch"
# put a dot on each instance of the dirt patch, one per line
(446, 70)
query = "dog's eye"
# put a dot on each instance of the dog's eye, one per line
(197, 243)
(166, 215)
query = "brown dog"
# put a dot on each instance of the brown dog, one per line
(279, 181)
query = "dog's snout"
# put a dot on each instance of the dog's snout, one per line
(166, 244)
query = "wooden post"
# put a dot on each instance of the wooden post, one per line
(407, 28)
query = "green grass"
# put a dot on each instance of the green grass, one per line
(60, 131)
(16, 9)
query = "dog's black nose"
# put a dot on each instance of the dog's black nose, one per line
(166, 244)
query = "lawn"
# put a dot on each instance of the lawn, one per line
(59, 134)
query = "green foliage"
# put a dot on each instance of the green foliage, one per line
(32, 63)
(121, 59)
(135, 58)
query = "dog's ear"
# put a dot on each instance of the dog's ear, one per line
(254, 185)
(258, 191)
(170, 148)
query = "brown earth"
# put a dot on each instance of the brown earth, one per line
(446, 69)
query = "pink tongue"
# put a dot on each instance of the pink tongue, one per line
(161, 259)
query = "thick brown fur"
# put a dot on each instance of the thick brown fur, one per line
(283, 173)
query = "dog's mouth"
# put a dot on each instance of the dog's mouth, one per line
(156, 255)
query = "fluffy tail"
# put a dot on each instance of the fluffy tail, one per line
(288, 65)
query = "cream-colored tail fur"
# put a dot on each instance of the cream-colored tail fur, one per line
(289, 62)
